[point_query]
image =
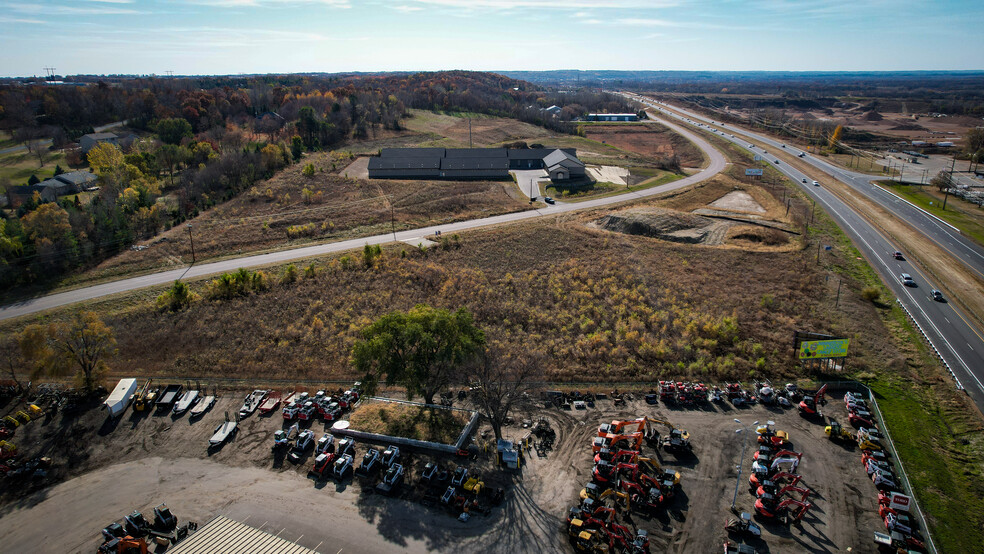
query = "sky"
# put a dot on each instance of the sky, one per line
(283, 36)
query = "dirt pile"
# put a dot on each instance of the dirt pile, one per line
(665, 225)
(871, 116)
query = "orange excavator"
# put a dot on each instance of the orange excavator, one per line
(124, 545)
(789, 511)
(614, 442)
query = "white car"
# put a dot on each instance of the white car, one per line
(906, 280)
(816, 183)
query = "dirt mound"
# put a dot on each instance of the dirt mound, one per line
(871, 116)
(908, 126)
(671, 226)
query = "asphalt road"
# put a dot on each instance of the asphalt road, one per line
(947, 329)
(945, 235)
(34, 305)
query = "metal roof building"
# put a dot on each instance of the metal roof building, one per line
(466, 163)
(225, 535)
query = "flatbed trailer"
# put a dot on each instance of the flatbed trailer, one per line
(169, 395)
(252, 402)
(270, 403)
(203, 406)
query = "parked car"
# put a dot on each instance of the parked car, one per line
(906, 280)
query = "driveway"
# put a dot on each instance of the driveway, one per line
(526, 180)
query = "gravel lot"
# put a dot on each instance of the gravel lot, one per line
(147, 459)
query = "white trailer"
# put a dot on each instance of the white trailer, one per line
(120, 397)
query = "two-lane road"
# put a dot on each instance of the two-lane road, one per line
(34, 305)
(947, 329)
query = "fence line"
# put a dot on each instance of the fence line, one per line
(891, 447)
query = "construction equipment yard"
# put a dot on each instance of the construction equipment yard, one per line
(104, 471)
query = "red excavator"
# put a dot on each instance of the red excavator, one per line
(615, 442)
(616, 456)
(810, 405)
(755, 481)
(782, 510)
(777, 493)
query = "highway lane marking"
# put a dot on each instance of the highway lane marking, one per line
(912, 300)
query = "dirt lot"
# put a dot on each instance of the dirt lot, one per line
(148, 459)
(648, 139)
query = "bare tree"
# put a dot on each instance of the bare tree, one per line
(38, 147)
(503, 384)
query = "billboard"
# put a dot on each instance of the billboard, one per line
(899, 502)
(757, 172)
(818, 349)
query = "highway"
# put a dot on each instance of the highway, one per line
(946, 328)
(716, 163)
(945, 235)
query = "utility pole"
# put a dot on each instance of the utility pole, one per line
(50, 72)
(192, 239)
(839, 283)
(741, 460)
(818, 252)
(469, 133)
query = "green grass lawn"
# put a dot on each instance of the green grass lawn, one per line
(6, 141)
(603, 189)
(936, 433)
(967, 218)
(19, 166)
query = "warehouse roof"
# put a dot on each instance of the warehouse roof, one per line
(559, 157)
(412, 152)
(405, 163)
(225, 535)
(474, 163)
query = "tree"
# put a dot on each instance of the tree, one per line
(82, 344)
(39, 148)
(296, 147)
(422, 349)
(33, 180)
(974, 140)
(941, 181)
(836, 136)
(171, 156)
(502, 384)
(49, 222)
(172, 130)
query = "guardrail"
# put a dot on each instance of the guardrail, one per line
(930, 343)
(891, 447)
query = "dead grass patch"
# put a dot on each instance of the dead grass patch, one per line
(409, 421)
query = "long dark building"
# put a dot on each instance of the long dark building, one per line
(473, 163)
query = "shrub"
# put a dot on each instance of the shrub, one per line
(289, 274)
(296, 231)
(178, 297)
(311, 271)
(240, 283)
(308, 170)
(871, 294)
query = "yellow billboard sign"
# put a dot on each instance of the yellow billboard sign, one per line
(817, 349)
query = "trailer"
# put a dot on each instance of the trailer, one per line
(252, 402)
(203, 406)
(222, 433)
(169, 396)
(271, 403)
(186, 401)
(120, 398)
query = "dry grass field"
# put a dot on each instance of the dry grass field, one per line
(647, 139)
(291, 209)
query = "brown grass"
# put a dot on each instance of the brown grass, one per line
(274, 214)
(409, 421)
(650, 139)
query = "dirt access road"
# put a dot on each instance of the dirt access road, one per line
(151, 459)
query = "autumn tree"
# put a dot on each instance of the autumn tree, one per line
(172, 130)
(835, 137)
(502, 384)
(941, 181)
(974, 140)
(172, 156)
(81, 345)
(422, 349)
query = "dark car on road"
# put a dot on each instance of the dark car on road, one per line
(548, 200)
(938, 296)
(898, 256)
